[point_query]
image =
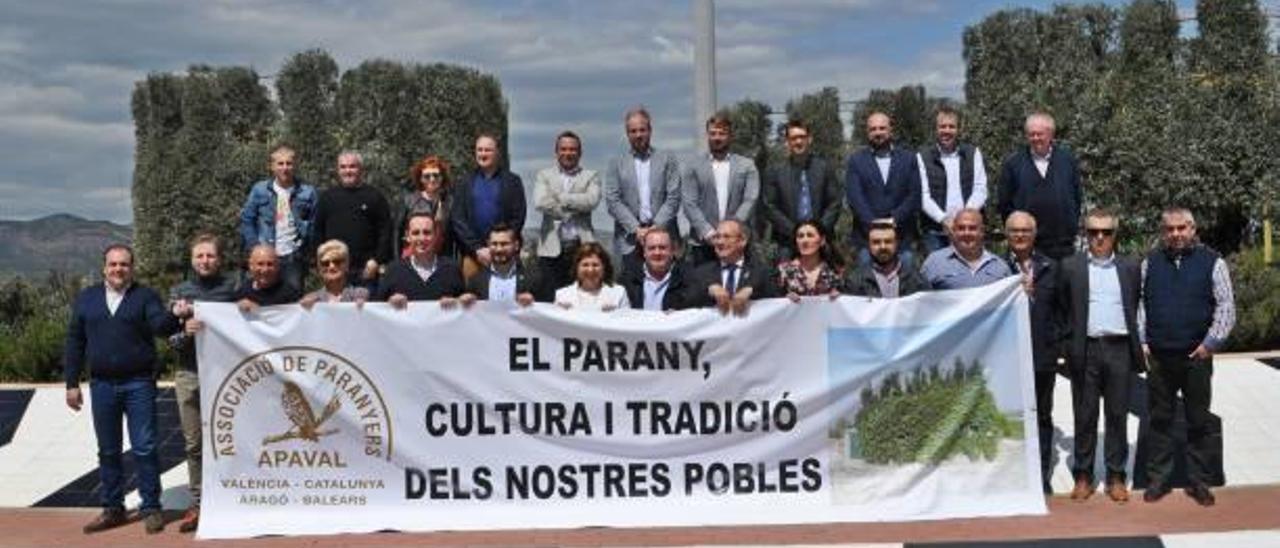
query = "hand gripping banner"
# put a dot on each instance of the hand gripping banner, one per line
(341, 419)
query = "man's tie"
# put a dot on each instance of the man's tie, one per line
(730, 278)
(804, 204)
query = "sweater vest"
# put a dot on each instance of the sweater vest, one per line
(937, 175)
(1178, 296)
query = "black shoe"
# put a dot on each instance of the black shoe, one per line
(1202, 495)
(110, 518)
(153, 521)
(1155, 492)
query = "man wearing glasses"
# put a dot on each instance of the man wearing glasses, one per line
(1099, 295)
(803, 188)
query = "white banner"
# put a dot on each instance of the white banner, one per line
(346, 420)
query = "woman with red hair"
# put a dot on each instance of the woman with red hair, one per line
(431, 195)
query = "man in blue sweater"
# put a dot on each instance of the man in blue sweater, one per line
(113, 329)
(1043, 179)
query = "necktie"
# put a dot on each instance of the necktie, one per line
(730, 279)
(804, 205)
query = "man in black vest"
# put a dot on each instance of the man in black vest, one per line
(803, 188)
(1099, 295)
(952, 177)
(1188, 311)
(1043, 179)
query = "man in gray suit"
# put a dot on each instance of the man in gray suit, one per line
(565, 195)
(641, 190)
(717, 187)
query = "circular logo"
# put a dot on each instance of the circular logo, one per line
(293, 426)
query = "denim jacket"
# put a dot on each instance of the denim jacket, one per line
(257, 218)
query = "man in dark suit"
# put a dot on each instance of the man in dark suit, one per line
(506, 279)
(882, 182)
(731, 281)
(1040, 279)
(1099, 295)
(803, 188)
(490, 195)
(887, 276)
(1043, 179)
(659, 284)
(422, 276)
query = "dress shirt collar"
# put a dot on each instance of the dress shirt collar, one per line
(648, 275)
(1038, 157)
(571, 172)
(1103, 262)
(510, 271)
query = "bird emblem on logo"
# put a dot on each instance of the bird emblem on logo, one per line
(306, 426)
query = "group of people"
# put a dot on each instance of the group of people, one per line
(1096, 316)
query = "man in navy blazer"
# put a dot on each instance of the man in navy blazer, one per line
(882, 182)
(1043, 179)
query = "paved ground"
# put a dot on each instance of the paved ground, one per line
(1238, 509)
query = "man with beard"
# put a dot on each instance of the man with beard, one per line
(882, 183)
(356, 214)
(1040, 282)
(423, 276)
(641, 190)
(803, 188)
(952, 178)
(506, 279)
(1188, 311)
(565, 195)
(265, 286)
(716, 187)
(1043, 179)
(209, 284)
(659, 284)
(112, 333)
(730, 281)
(490, 195)
(885, 277)
(966, 263)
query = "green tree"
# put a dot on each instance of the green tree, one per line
(307, 88)
(821, 112)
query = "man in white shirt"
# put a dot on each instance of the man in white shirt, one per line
(952, 177)
(717, 187)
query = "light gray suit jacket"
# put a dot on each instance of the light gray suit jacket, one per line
(622, 196)
(699, 194)
(558, 205)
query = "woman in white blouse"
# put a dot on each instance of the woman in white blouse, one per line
(593, 288)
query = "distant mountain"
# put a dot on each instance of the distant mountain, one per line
(59, 242)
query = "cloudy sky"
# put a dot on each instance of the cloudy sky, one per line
(67, 68)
